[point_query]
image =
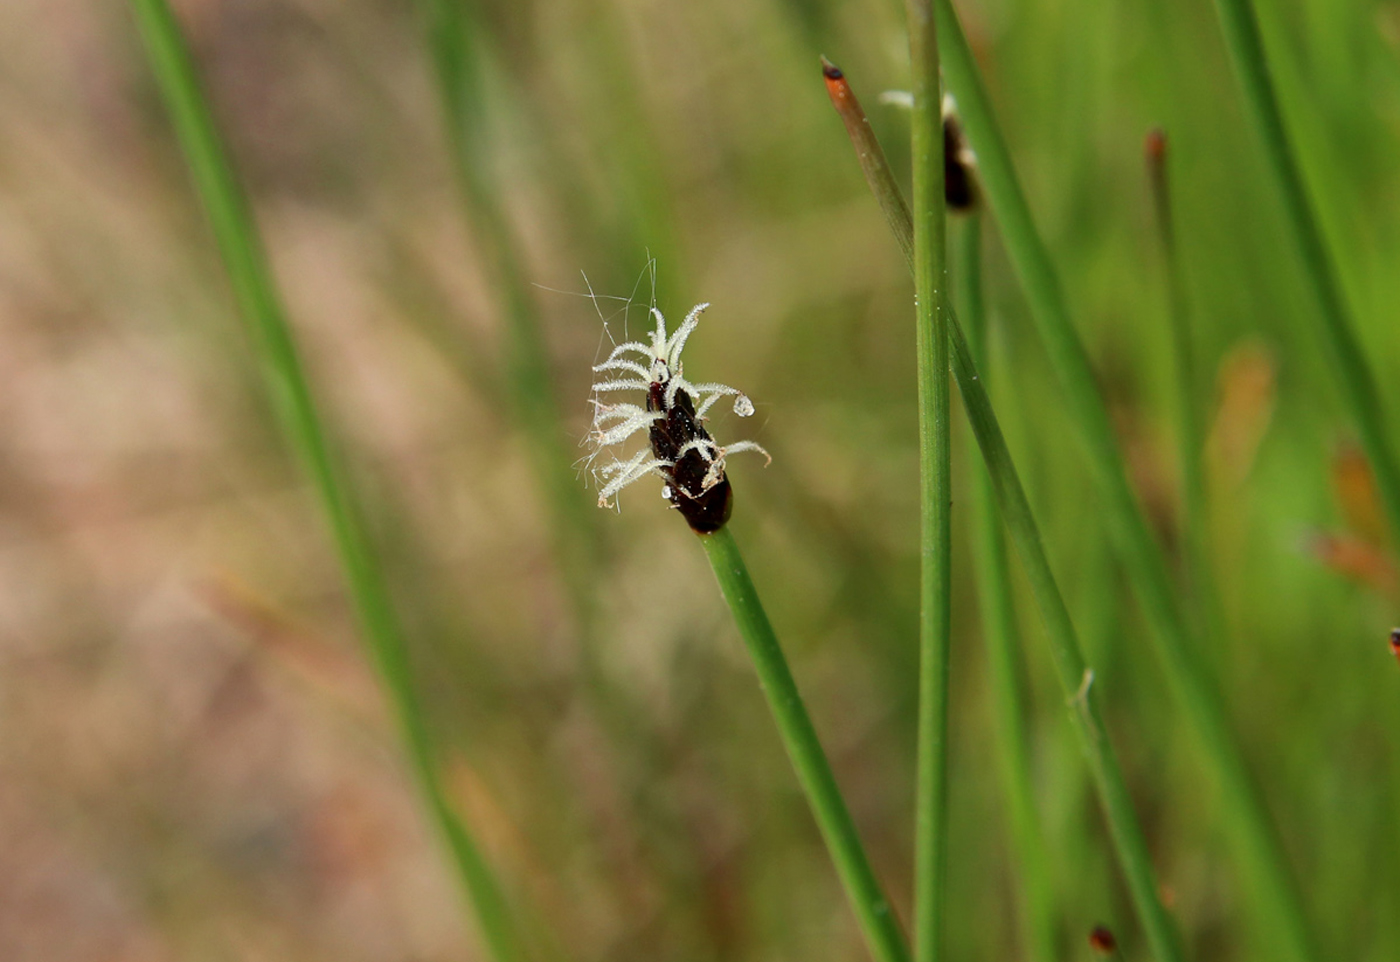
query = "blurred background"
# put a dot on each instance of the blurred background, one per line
(195, 758)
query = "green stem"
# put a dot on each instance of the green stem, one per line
(1076, 679)
(1128, 839)
(1339, 342)
(998, 611)
(1190, 420)
(872, 909)
(294, 406)
(1249, 825)
(935, 487)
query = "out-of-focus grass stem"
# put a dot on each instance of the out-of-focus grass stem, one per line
(1190, 419)
(998, 612)
(1076, 681)
(455, 40)
(294, 406)
(872, 909)
(1335, 326)
(935, 485)
(456, 54)
(1246, 819)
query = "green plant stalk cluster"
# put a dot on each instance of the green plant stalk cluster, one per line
(1247, 821)
(1076, 678)
(935, 487)
(1335, 328)
(873, 911)
(1129, 842)
(997, 608)
(295, 409)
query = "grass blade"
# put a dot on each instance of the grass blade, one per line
(873, 911)
(1075, 679)
(1259, 854)
(998, 613)
(295, 409)
(935, 486)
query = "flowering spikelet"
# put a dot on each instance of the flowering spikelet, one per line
(680, 449)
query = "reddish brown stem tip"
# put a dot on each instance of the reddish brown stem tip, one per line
(836, 86)
(1101, 940)
(1154, 146)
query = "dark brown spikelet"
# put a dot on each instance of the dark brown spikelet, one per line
(959, 181)
(1101, 940)
(705, 509)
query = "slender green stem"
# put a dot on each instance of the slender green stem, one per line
(295, 408)
(998, 611)
(872, 909)
(1190, 420)
(1076, 678)
(1129, 842)
(935, 487)
(1249, 827)
(1335, 327)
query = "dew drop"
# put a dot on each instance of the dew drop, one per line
(743, 406)
(666, 491)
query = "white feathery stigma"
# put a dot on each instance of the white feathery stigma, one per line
(655, 369)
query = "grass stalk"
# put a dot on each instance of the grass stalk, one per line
(1276, 902)
(1335, 326)
(1075, 679)
(455, 45)
(935, 486)
(295, 409)
(873, 911)
(997, 609)
(1190, 417)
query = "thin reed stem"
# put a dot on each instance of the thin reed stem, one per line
(295, 408)
(935, 487)
(872, 909)
(1336, 327)
(1075, 680)
(1248, 824)
(1190, 417)
(998, 612)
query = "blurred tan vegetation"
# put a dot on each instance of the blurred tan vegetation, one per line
(195, 761)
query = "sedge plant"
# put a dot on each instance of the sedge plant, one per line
(1075, 676)
(1276, 901)
(681, 451)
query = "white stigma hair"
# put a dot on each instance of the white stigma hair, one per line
(637, 366)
